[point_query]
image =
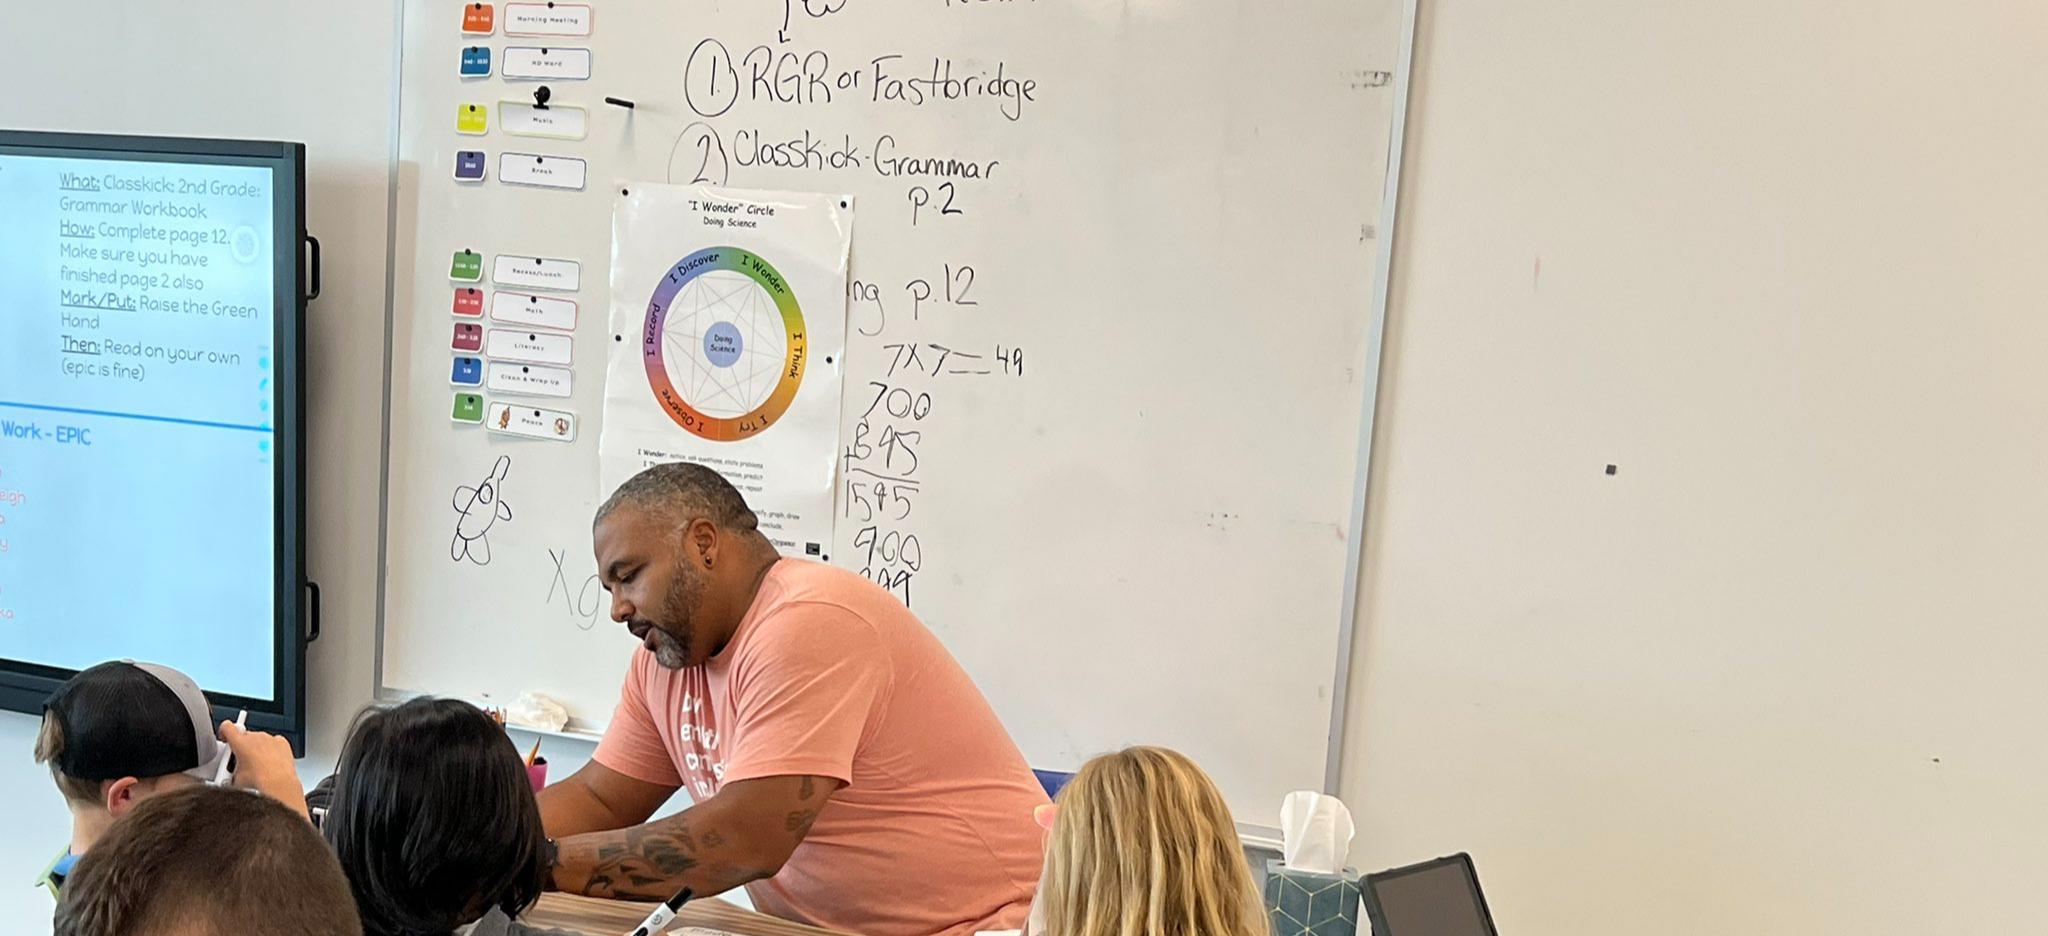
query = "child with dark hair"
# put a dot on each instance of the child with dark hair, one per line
(432, 816)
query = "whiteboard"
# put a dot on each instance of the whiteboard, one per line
(1119, 255)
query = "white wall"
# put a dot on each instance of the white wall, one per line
(1781, 262)
(320, 74)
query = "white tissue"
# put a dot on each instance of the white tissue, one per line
(1315, 833)
(534, 710)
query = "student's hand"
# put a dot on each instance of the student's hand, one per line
(264, 763)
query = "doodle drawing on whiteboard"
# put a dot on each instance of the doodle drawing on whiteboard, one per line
(476, 508)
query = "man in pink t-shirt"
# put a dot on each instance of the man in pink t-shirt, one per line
(844, 767)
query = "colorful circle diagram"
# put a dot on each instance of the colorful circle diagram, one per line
(723, 344)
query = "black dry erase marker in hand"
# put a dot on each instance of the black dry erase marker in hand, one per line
(663, 915)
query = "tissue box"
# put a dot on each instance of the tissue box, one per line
(1306, 903)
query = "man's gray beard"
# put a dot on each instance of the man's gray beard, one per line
(668, 651)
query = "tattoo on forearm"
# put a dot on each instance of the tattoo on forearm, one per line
(669, 853)
(643, 864)
(653, 861)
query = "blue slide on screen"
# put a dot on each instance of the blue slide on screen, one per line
(137, 311)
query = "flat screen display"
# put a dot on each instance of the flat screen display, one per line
(149, 470)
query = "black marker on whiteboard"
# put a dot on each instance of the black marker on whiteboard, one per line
(619, 102)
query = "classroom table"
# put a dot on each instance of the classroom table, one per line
(618, 917)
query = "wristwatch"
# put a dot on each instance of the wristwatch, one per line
(554, 855)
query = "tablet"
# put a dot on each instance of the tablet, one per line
(1434, 898)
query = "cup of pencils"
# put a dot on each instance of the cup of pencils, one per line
(536, 767)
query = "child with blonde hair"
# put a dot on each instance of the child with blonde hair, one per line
(1141, 844)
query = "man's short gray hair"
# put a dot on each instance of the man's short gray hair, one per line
(683, 491)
